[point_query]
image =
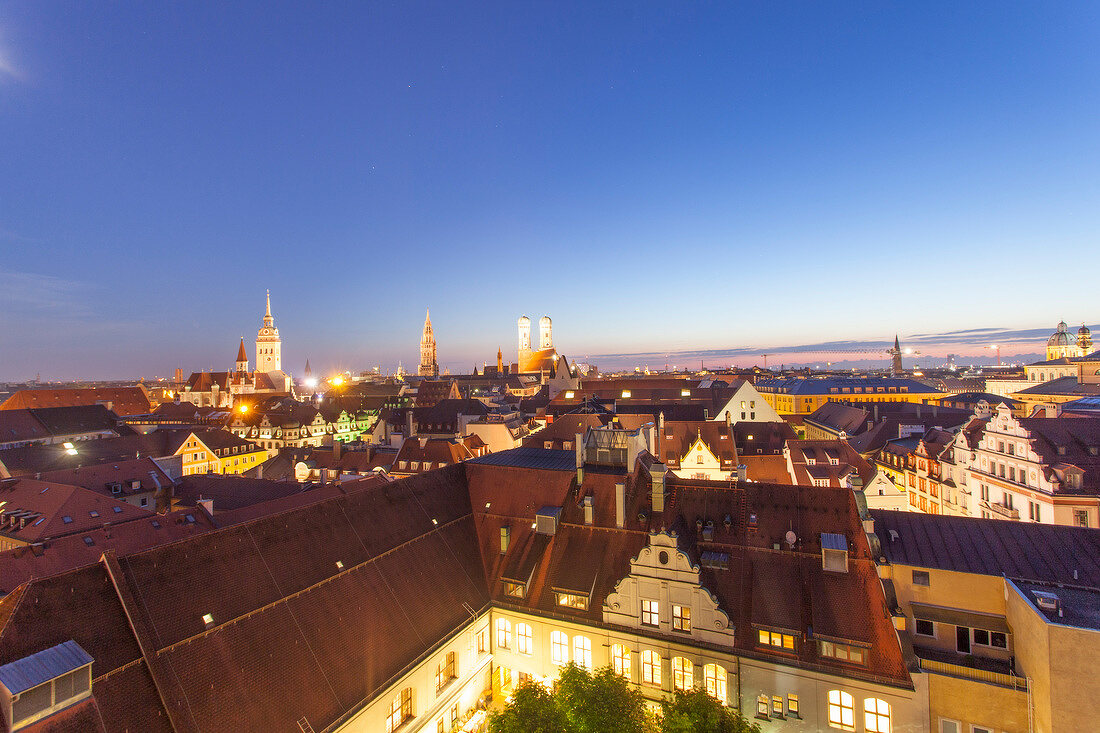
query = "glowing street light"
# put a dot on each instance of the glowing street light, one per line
(337, 381)
(243, 408)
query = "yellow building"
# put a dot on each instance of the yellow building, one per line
(217, 451)
(999, 629)
(803, 395)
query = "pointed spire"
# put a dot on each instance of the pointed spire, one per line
(897, 344)
(241, 355)
(268, 313)
(309, 372)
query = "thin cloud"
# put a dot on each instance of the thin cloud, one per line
(8, 69)
(32, 294)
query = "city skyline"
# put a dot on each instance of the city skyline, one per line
(701, 178)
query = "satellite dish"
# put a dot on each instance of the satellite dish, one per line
(791, 538)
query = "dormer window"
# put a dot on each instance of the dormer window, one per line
(43, 683)
(626, 394)
(844, 652)
(572, 600)
(515, 590)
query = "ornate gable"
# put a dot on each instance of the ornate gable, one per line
(663, 573)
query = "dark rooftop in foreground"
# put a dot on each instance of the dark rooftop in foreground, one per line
(551, 460)
(1027, 550)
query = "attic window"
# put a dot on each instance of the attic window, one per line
(834, 552)
(118, 509)
(685, 393)
(569, 395)
(88, 541)
(156, 524)
(715, 560)
(208, 620)
(515, 590)
(190, 518)
(626, 393)
(572, 600)
(67, 519)
(93, 513)
(339, 564)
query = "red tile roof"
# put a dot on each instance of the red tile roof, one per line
(122, 400)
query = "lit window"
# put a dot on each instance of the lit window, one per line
(524, 643)
(842, 710)
(482, 647)
(714, 679)
(876, 715)
(776, 639)
(792, 706)
(777, 706)
(651, 667)
(559, 647)
(682, 670)
(649, 613)
(401, 709)
(582, 651)
(504, 633)
(762, 706)
(573, 600)
(626, 393)
(620, 661)
(446, 671)
(516, 590)
(681, 618)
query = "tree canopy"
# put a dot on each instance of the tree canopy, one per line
(603, 702)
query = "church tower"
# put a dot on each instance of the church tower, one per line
(546, 338)
(428, 365)
(896, 366)
(524, 339)
(269, 348)
(242, 359)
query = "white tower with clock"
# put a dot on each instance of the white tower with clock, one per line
(269, 347)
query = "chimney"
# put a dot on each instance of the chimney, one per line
(578, 447)
(337, 450)
(410, 428)
(208, 505)
(657, 477)
(742, 472)
(324, 475)
(589, 510)
(918, 412)
(260, 471)
(620, 505)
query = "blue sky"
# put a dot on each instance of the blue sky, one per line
(656, 177)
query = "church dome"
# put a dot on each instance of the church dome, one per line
(1084, 331)
(524, 321)
(544, 321)
(1060, 337)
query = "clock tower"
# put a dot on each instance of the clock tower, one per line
(269, 347)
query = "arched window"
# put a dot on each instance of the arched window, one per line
(523, 639)
(401, 710)
(582, 651)
(842, 710)
(714, 679)
(620, 661)
(876, 714)
(651, 667)
(559, 647)
(504, 633)
(682, 674)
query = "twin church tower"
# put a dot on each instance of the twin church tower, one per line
(528, 359)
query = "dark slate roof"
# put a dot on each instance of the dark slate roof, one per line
(552, 460)
(28, 672)
(1080, 607)
(1062, 386)
(1028, 550)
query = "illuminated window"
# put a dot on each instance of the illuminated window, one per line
(714, 680)
(842, 710)
(559, 647)
(649, 613)
(626, 393)
(876, 715)
(504, 633)
(573, 600)
(776, 639)
(524, 643)
(762, 706)
(651, 667)
(582, 651)
(516, 590)
(681, 618)
(401, 710)
(620, 661)
(792, 706)
(482, 646)
(777, 706)
(446, 671)
(682, 674)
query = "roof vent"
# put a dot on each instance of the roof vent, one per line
(834, 552)
(546, 521)
(1047, 601)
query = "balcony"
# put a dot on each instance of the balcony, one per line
(1004, 511)
(979, 669)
